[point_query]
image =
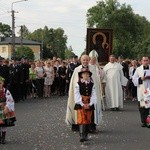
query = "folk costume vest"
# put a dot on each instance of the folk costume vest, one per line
(84, 115)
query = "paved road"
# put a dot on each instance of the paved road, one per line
(40, 126)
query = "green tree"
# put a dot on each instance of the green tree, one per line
(128, 28)
(54, 41)
(24, 51)
(69, 53)
(5, 30)
(25, 31)
(142, 48)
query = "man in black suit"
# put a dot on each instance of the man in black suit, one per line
(4, 72)
(1, 68)
(14, 79)
(24, 70)
(75, 63)
(125, 66)
(126, 74)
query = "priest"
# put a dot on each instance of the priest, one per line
(115, 81)
(71, 114)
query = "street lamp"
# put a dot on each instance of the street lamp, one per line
(13, 27)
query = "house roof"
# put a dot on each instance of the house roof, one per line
(8, 40)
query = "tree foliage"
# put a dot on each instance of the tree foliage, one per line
(24, 51)
(69, 53)
(129, 29)
(24, 31)
(53, 41)
(5, 30)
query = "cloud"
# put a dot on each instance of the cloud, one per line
(67, 14)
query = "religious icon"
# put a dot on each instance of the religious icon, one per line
(100, 40)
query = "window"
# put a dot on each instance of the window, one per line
(3, 49)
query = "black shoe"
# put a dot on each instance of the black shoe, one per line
(82, 132)
(3, 142)
(143, 125)
(82, 139)
(75, 127)
(3, 138)
(86, 137)
(112, 109)
(117, 109)
(91, 128)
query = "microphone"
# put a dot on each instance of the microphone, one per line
(144, 73)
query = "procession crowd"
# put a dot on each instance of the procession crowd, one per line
(27, 78)
(84, 81)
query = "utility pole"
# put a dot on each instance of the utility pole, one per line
(21, 36)
(41, 54)
(13, 34)
(13, 27)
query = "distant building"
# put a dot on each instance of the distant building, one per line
(6, 45)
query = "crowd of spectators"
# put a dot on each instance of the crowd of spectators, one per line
(41, 78)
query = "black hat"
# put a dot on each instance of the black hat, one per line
(75, 56)
(121, 57)
(84, 70)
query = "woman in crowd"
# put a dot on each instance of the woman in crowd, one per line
(49, 78)
(55, 85)
(40, 74)
(62, 79)
(32, 80)
(131, 73)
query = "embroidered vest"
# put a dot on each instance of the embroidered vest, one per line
(85, 89)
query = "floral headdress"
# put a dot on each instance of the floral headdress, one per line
(1, 78)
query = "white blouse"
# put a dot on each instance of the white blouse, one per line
(9, 101)
(78, 98)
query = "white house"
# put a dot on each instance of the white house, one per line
(6, 45)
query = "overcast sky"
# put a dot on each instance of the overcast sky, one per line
(67, 14)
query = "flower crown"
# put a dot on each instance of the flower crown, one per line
(1, 78)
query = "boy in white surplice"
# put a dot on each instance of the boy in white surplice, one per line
(141, 79)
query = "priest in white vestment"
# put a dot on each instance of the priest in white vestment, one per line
(95, 67)
(71, 115)
(114, 79)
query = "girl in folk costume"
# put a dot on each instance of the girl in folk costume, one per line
(71, 114)
(85, 99)
(6, 109)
